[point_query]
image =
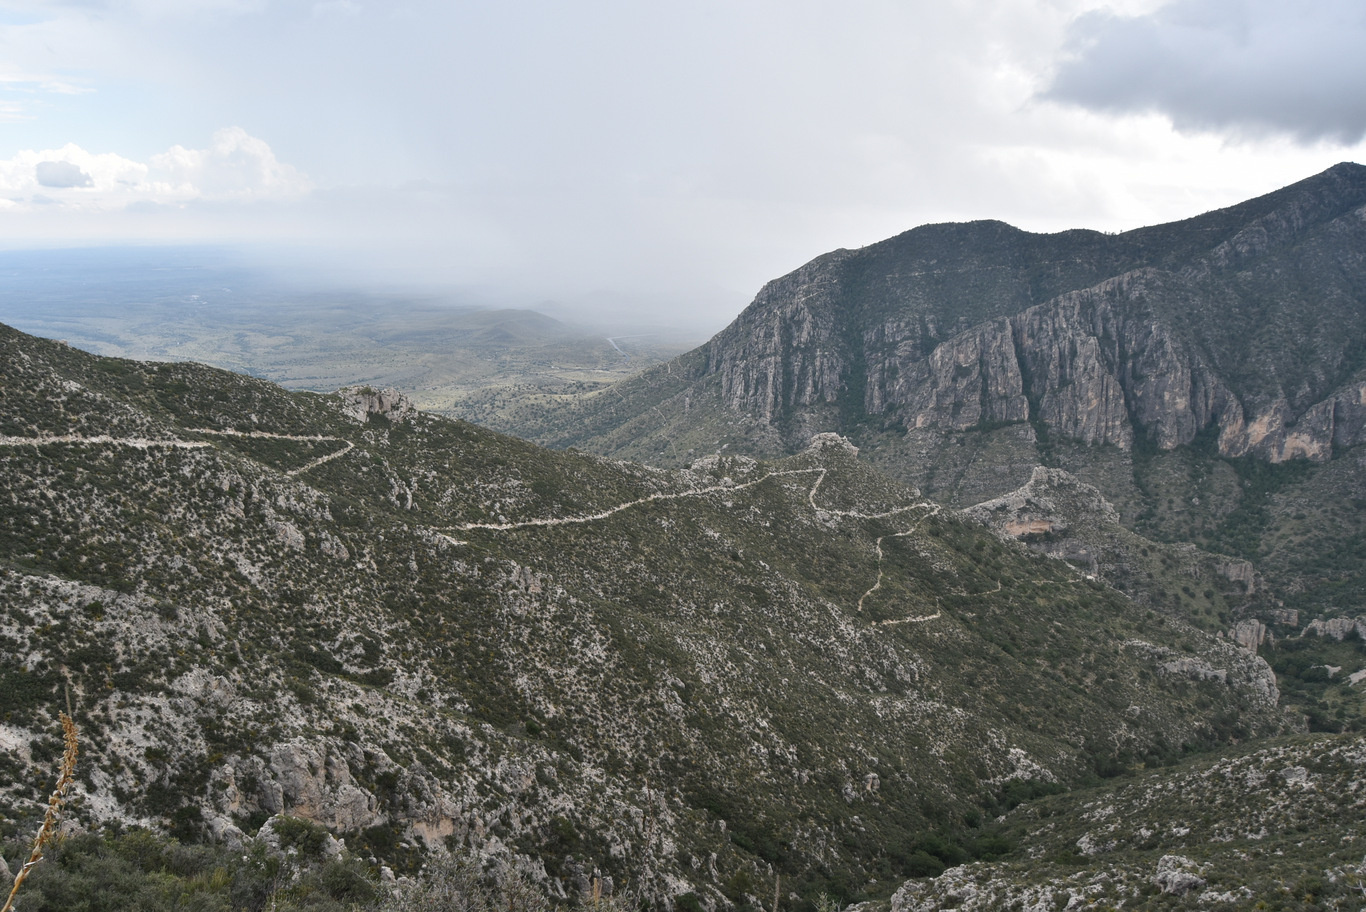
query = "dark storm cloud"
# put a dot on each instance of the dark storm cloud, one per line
(1246, 67)
(62, 175)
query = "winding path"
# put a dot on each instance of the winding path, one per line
(594, 517)
(144, 443)
(347, 446)
(933, 509)
(140, 443)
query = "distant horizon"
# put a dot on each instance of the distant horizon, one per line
(671, 158)
(302, 270)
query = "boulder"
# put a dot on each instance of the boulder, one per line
(1177, 875)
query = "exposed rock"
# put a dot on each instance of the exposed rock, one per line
(1190, 667)
(1290, 617)
(786, 354)
(1338, 628)
(1088, 845)
(1277, 436)
(1241, 670)
(1239, 571)
(360, 402)
(1296, 776)
(973, 378)
(288, 534)
(1041, 503)
(311, 779)
(1048, 512)
(1349, 415)
(1249, 634)
(1177, 875)
(823, 443)
(269, 836)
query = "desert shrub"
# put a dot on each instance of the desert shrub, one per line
(453, 884)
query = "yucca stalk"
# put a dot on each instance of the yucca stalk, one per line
(55, 801)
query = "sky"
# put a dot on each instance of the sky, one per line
(664, 158)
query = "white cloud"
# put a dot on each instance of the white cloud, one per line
(235, 167)
(109, 176)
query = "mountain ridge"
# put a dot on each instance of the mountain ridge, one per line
(827, 346)
(1207, 376)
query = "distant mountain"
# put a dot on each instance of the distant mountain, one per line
(423, 635)
(1207, 376)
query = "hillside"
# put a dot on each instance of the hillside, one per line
(424, 635)
(1275, 827)
(1207, 377)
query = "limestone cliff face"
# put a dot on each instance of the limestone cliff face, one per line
(1098, 365)
(1208, 334)
(1245, 326)
(973, 378)
(1095, 365)
(782, 352)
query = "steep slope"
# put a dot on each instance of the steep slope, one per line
(1276, 827)
(419, 633)
(1207, 376)
(1249, 319)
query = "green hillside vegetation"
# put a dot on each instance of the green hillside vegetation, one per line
(423, 636)
(1205, 376)
(1276, 827)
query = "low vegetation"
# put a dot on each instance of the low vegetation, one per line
(424, 637)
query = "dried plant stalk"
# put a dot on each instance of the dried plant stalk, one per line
(54, 808)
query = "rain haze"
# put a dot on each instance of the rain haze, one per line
(666, 159)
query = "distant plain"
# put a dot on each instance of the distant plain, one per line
(451, 353)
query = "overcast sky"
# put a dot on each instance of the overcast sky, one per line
(676, 155)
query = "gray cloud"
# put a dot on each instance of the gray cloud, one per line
(676, 155)
(62, 175)
(1246, 67)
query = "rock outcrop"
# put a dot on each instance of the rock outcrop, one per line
(1338, 628)
(1249, 633)
(1177, 875)
(360, 402)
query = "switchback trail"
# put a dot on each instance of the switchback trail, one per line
(933, 509)
(140, 443)
(347, 446)
(144, 443)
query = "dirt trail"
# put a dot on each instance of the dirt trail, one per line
(347, 446)
(143, 443)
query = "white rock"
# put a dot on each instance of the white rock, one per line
(1177, 875)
